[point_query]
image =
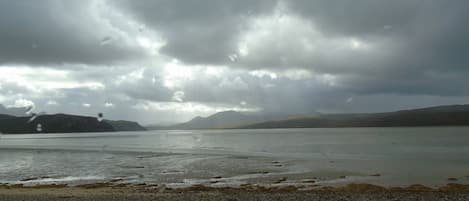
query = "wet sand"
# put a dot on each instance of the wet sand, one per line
(104, 191)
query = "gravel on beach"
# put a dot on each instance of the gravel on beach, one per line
(68, 194)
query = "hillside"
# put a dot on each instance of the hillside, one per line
(453, 115)
(125, 125)
(63, 123)
(227, 119)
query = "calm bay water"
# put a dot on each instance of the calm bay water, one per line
(330, 156)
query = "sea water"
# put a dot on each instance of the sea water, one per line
(329, 156)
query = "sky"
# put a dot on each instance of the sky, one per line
(166, 61)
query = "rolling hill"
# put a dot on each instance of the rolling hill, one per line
(63, 123)
(452, 115)
(228, 119)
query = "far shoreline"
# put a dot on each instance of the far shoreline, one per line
(285, 128)
(235, 129)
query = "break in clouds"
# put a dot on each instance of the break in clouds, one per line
(168, 61)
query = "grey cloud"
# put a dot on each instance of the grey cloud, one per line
(272, 95)
(123, 81)
(150, 87)
(202, 32)
(416, 53)
(231, 87)
(360, 17)
(417, 47)
(430, 31)
(58, 32)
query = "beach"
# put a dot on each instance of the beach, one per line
(123, 193)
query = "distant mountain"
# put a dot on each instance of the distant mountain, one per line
(443, 108)
(63, 123)
(14, 111)
(227, 119)
(451, 115)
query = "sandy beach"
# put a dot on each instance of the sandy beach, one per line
(121, 193)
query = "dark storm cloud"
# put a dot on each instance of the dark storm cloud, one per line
(411, 37)
(416, 46)
(360, 17)
(58, 32)
(201, 31)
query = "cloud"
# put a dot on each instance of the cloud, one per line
(178, 96)
(52, 102)
(284, 40)
(56, 32)
(23, 103)
(169, 60)
(199, 32)
(365, 45)
(109, 105)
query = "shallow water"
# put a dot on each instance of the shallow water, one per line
(329, 156)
